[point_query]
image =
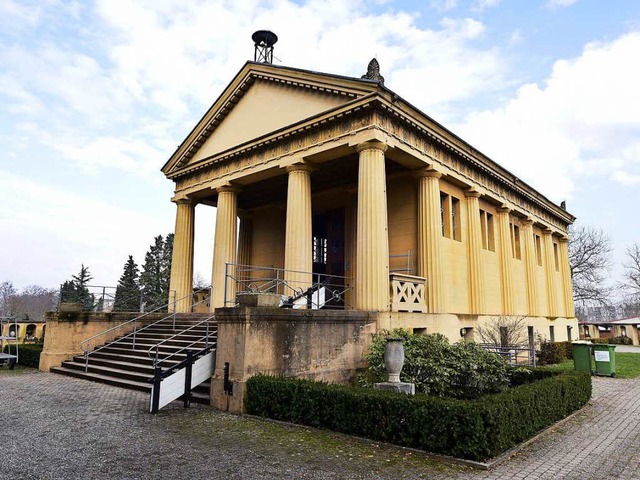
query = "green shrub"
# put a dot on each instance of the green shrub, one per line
(550, 353)
(28, 355)
(473, 429)
(600, 341)
(621, 340)
(462, 370)
(566, 349)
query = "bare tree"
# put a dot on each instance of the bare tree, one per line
(590, 259)
(32, 302)
(503, 331)
(7, 291)
(631, 275)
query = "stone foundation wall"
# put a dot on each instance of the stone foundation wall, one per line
(65, 331)
(321, 345)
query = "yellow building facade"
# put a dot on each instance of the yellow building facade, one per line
(318, 174)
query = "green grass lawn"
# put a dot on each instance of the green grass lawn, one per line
(627, 365)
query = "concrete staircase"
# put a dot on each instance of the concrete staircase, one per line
(122, 364)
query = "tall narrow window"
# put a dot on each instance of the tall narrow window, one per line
(444, 213)
(455, 219)
(555, 256)
(538, 243)
(486, 227)
(515, 241)
(552, 334)
(450, 214)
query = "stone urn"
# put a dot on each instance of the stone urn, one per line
(394, 358)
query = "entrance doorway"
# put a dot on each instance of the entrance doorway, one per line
(328, 253)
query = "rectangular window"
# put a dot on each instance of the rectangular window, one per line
(555, 256)
(450, 216)
(586, 331)
(455, 219)
(444, 213)
(538, 242)
(486, 227)
(515, 241)
(319, 250)
(552, 335)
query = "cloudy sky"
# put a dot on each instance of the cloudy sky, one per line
(96, 95)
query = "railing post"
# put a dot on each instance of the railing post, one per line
(226, 279)
(174, 313)
(135, 329)
(86, 358)
(187, 380)
(206, 331)
(155, 398)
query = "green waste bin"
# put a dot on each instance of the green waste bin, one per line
(581, 351)
(605, 359)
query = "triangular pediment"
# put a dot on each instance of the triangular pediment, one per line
(262, 99)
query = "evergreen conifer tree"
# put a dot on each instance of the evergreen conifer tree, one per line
(127, 297)
(80, 282)
(156, 273)
(76, 291)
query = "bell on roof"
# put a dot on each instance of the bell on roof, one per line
(373, 72)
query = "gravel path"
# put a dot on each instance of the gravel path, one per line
(55, 427)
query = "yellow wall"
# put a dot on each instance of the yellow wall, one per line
(402, 207)
(455, 258)
(267, 245)
(491, 268)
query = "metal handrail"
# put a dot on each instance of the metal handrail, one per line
(204, 338)
(273, 281)
(85, 345)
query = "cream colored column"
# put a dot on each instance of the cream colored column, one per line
(372, 265)
(530, 267)
(550, 273)
(224, 248)
(474, 253)
(245, 238)
(506, 254)
(298, 260)
(565, 270)
(429, 238)
(181, 281)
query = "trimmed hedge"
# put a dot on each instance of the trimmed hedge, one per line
(472, 429)
(28, 354)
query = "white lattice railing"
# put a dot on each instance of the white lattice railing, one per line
(407, 293)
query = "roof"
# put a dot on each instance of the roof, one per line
(348, 87)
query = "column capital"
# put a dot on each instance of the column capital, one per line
(183, 201)
(228, 189)
(428, 172)
(563, 239)
(503, 209)
(472, 193)
(547, 231)
(299, 167)
(371, 145)
(527, 222)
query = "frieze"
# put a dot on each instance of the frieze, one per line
(330, 130)
(419, 139)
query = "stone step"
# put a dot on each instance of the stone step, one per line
(111, 371)
(100, 378)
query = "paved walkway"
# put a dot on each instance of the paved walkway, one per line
(55, 427)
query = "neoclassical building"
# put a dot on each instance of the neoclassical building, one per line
(321, 176)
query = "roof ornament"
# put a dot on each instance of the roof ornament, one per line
(263, 40)
(373, 72)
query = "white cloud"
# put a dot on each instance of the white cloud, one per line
(49, 231)
(583, 120)
(555, 4)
